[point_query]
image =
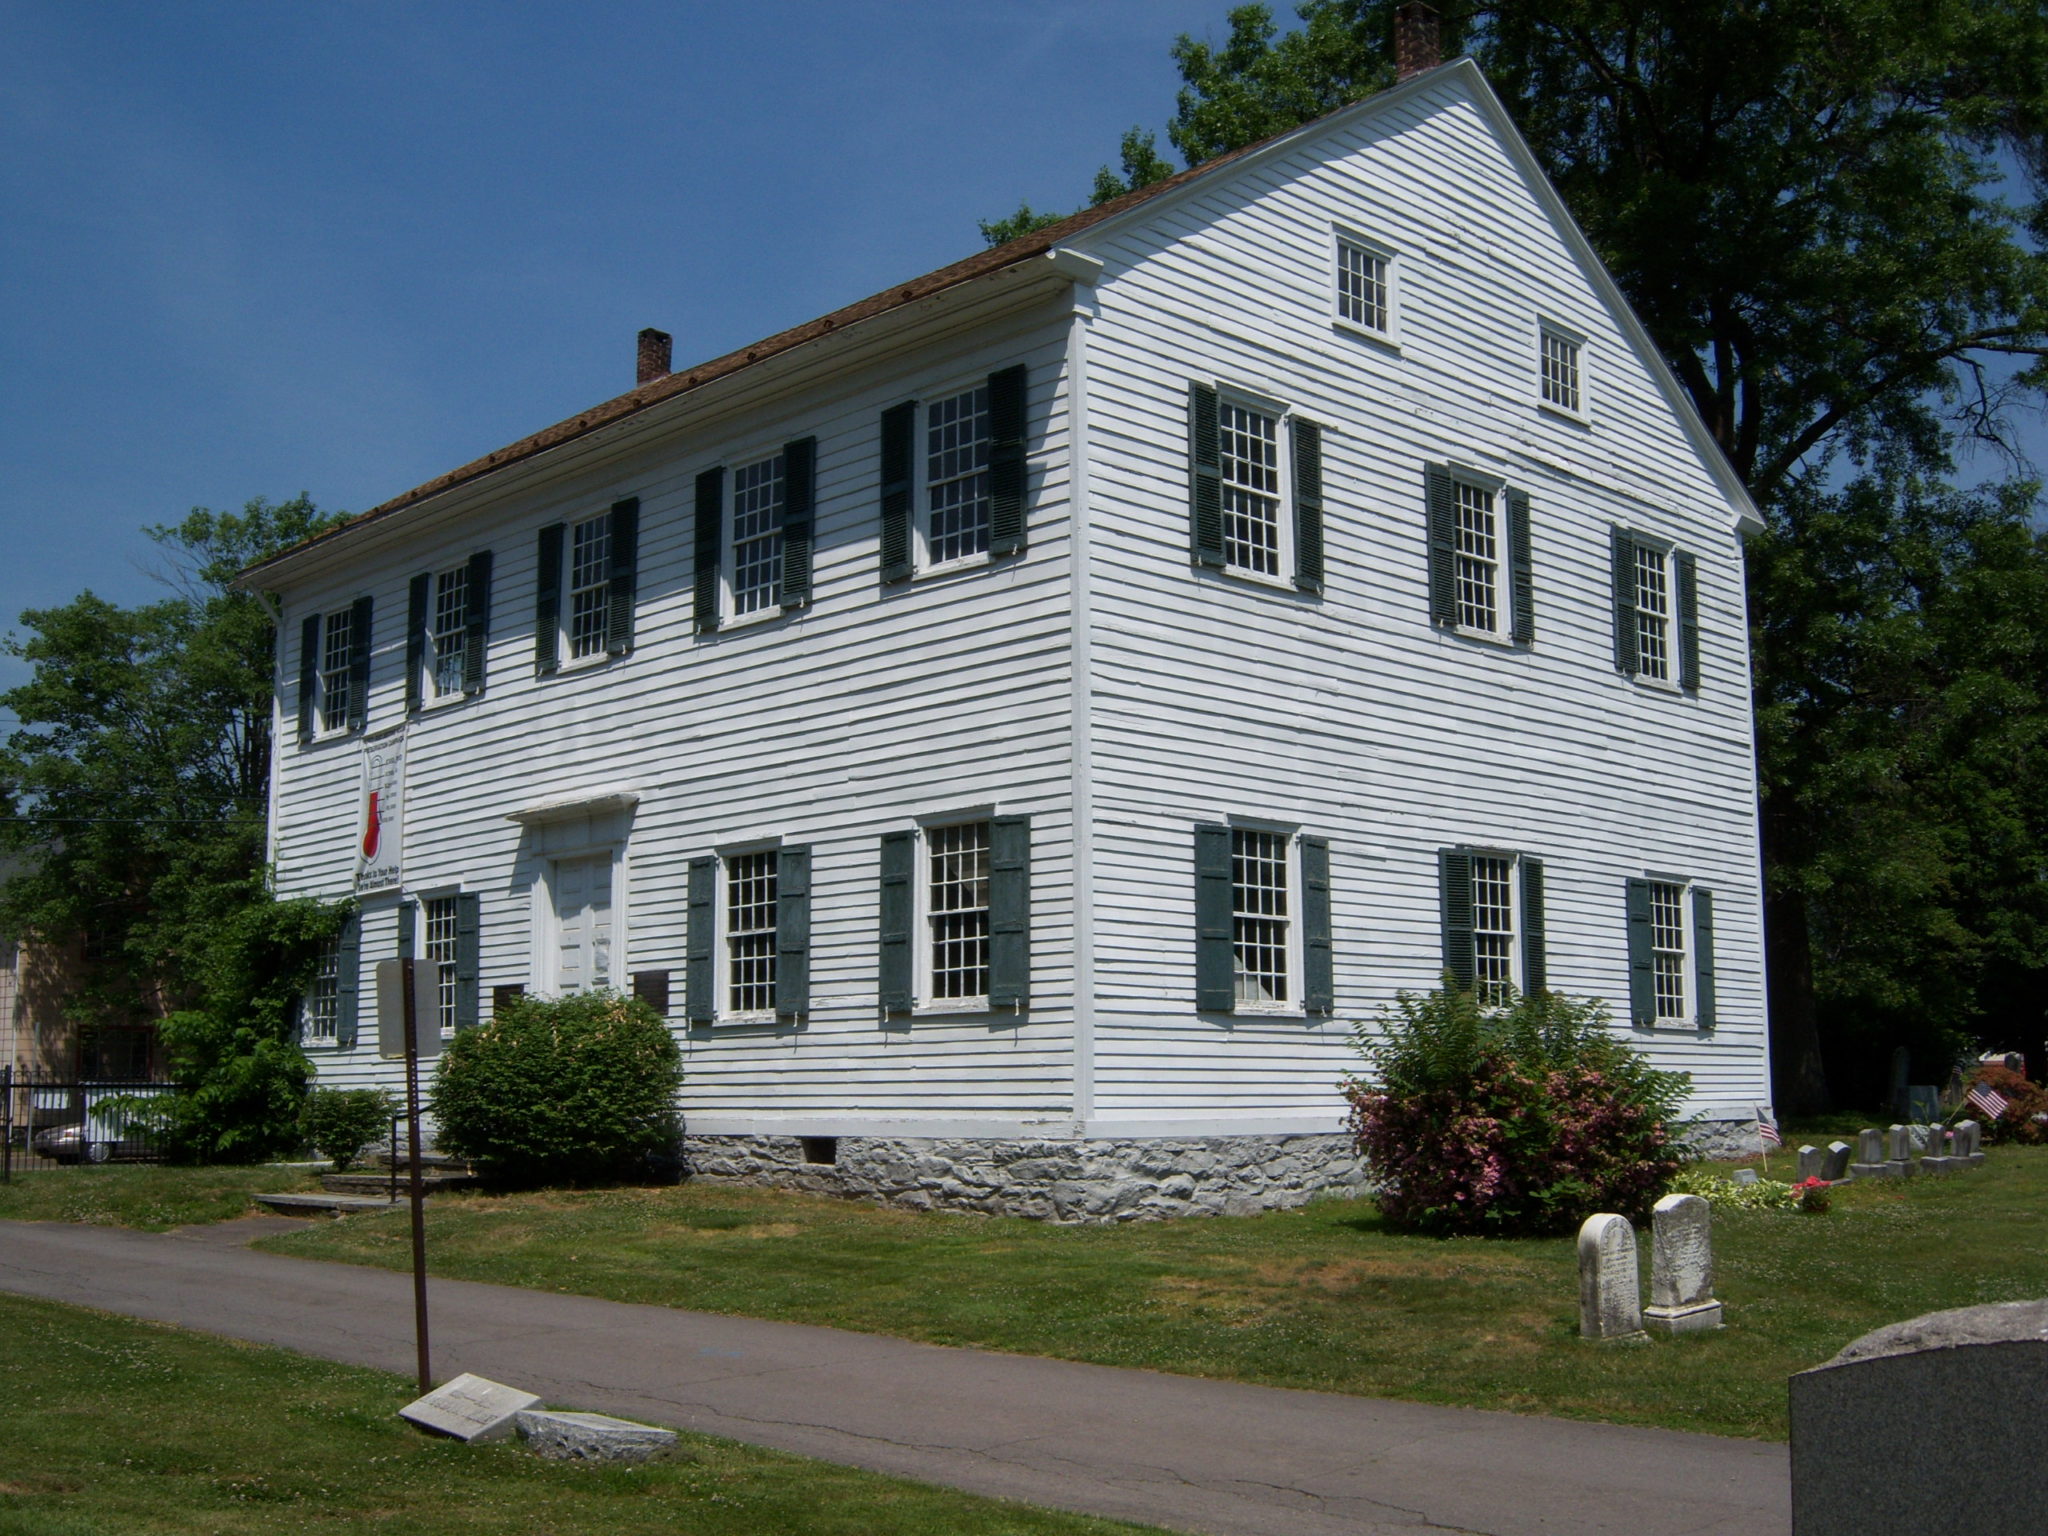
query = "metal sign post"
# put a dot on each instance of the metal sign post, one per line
(400, 984)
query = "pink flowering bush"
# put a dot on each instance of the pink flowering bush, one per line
(1524, 1118)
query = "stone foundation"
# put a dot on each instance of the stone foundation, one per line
(1725, 1140)
(1069, 1181)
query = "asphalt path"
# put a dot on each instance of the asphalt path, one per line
(1192, 1455)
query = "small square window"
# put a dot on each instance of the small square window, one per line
(1561, 375)
(589, 606)
(957, 492)
(1364, 288)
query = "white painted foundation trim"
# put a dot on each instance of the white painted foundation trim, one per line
(1128, 1127)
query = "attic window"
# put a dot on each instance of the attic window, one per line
(1562, 378)
(1364, 285)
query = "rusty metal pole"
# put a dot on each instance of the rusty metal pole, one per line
(419, 1194)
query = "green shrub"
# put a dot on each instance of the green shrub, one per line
(1515, 1119)
(568, 1089)
(1724, 1194)
(340, 1122)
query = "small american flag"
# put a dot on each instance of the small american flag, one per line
(1990, 1100)
(1767, 1128)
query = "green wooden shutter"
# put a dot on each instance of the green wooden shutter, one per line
(359, 665)
(1535, 962)
(899, 854)
(476, 625)
(309, 677)
(1008, 467)
(710, 543)
(547, 602)
(799, 519)
(899, 452)
(1215, 953)
(793, 933)
(1626, 651)
(1205, 478)
(1642, 968)
(348, 981)
(1521, 567)
(1685, 570)
(700, 1003)
(416, 606)
(1703, 956)
(1443, 546)
(1308, 504)
(622, 592)
(1009, 912)
(468, 957)
(1319, 985)
(1454, 895)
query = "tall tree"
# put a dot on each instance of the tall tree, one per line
(1828, 214)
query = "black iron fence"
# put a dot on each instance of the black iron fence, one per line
(52, 1121)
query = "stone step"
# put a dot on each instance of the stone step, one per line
(380, 1183)
(298, 1205)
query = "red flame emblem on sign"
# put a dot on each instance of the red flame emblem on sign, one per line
(374, 834)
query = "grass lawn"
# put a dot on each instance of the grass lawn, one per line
(120, 1428)
(150, 1197)
(1324, 1297)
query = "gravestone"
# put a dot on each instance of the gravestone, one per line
(1970, 1143)
(1902, 1066)
(1610, 1294)
(1809, 1162)
(1743, 1176)
(1681, 1267)
(1912, 1427)
(1898, 1145)
(1834, 1166)
(2015, 1062)
(470, 1409)
(1923, 1102)
(591, 1437)
(1870, 1163)
(1936, 1158)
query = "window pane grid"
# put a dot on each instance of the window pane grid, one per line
(757, 535)
(1493, 927)
(750, 919)
(437, 944)
(956, 472)
(1653, 614)
(1667, 948)
(590, 555)
(323, 999)
(451, 620)
(1478, 553)
(1249, 444)
(1361, 286)
(336, 651)
(958, 909)
(1259, 915)
(1560, 372)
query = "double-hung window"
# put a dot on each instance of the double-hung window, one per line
(1560, 369)
(1493, 927)
(1262, 919)
(1656, 611)
(448, 633)
(749, 936)
(750, 926)
(585, 587)
(1249, 445)
(956, 909)
(437, 945)
(1255, 488)
(448, 637)
(954, 477)
(754, 536)
(755, 585)
(447, 931)
(1670, 953)
(955, 891)
(1481, 572)
(589, 585)
(334, 671)
(1364, 288)
(337, 654)
(320, 1015)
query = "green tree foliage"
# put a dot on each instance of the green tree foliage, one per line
(139, 769)
(1142, 165)
(1827, 213)
(561, 1090)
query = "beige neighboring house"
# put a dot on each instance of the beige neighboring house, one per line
(38, 1035)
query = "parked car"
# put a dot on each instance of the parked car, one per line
(109, 1132)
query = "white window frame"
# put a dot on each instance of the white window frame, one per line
(1666, 624)
(1502, 630)
(324, 721)
(728, 563)
(323, 989)
(1550, 331)
(924, 994)
(1294, 977)
(1687, 953)
(1515, 933)
(721, 956)
(434, 692)
(1235, 397)
(602, 586)
(926, 562)
(424, 941)
(1341, 236)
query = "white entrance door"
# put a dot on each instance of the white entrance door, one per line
(583, 924)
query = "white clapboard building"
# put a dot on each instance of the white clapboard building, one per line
(1017, 726)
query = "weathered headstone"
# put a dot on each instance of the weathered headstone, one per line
(1743, 1176)
(1911, 1425)
(1870, 1162)
(1809, 1162)
(1902, 1067)
(1923, 1102)
(591, 1437)
(1610, 1293)
(1834, 1165)
(470, 1408)
(1898, 1144)
(1970, 1142)
(2015, 1062)
(1681, 1267)
(1936, 1158)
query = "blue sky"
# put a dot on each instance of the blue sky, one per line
(259, 248)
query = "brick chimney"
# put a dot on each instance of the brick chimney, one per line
(1417, 42)
(656, 355)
